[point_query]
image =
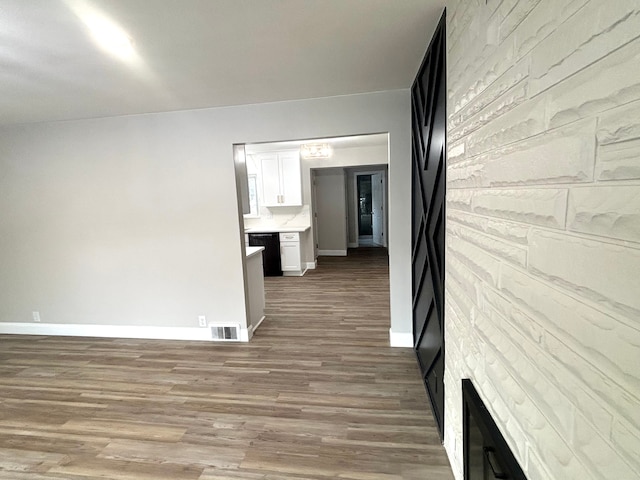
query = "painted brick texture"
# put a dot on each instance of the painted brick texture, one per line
(543, 231)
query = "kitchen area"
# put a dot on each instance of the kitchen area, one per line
(275, 221)
(288, 215)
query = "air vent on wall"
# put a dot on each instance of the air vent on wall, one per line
(225, 332)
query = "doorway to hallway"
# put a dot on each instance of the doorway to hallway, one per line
(328, 209)
(371, 207)
(365, 225)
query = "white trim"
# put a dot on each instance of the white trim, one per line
(114, 331)
(353, 245)
(294, 273)
(312, 265)
(400, 339)
(384, 170)
(332, 253)
(253, 328)
(245, 335)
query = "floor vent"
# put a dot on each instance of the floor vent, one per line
(225, 332)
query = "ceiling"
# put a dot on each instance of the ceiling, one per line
(352, 141)
(204, 53)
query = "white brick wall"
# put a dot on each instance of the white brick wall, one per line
(543, 230)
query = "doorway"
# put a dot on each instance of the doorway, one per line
(328, 207)
(365, 224)
(371, 207)
(368, 207)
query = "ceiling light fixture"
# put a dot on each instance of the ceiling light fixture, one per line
(315, 150)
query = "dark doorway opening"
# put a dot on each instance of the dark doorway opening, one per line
(365, 220)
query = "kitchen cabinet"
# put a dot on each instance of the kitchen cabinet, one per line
(281, 179)
(290, 254)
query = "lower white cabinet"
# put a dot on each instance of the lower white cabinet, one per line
(290, 254)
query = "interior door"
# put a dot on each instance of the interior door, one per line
(428, 96)
(377, 211)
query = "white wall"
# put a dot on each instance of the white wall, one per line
(331, 208)
(543, 239)
(346, 157)
(133, 220)
(342, 157)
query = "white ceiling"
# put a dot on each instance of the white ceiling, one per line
(353, 141)
(204, 53)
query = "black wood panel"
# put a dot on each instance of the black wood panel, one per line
(429, 116)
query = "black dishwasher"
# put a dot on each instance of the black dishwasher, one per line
(271, 254)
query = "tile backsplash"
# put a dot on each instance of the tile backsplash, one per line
(280, 217)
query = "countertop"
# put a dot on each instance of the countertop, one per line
(252, 251)
(276, 229)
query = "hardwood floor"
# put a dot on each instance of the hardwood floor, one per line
(317, 394)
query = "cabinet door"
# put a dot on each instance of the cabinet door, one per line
(291, 179)
(269, 165)
(290, 256)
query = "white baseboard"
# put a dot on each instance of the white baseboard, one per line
(253, 328)
(312, 265)
(296, 273)
(353, 245)
(400, 339)
(114, 331)
(245, 335)
(332, 253)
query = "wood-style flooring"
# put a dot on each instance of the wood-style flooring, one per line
(317, 394)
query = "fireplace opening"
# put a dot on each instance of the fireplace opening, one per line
(486, 453)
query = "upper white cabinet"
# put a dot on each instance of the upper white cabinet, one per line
(281, 179)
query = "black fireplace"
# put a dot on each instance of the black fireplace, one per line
(486, 454)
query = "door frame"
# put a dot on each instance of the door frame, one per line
(377, 220)
(354, 201)
(314, 213)
(359, 179)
